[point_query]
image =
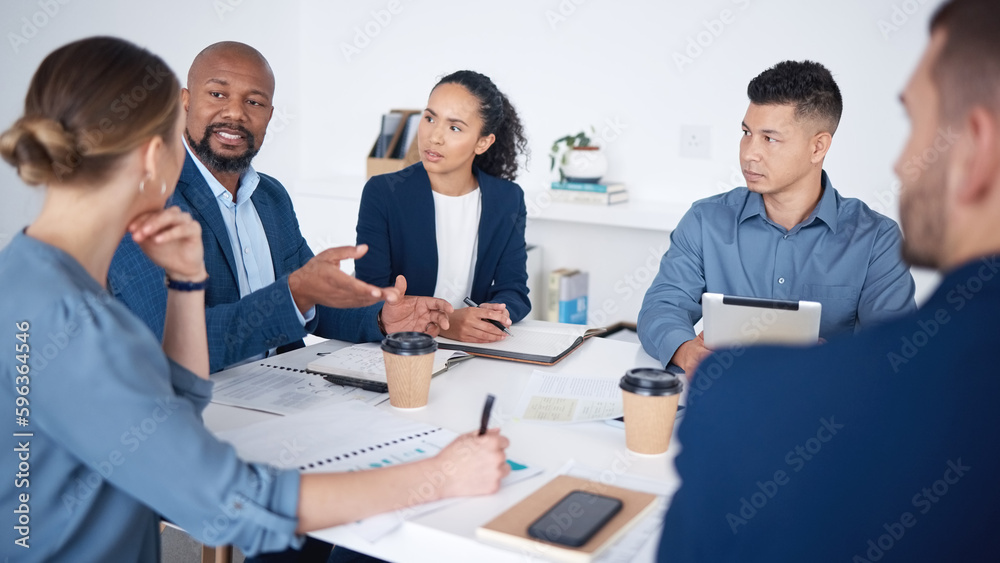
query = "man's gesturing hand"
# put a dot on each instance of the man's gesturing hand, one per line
(322, 282)
(406, 312)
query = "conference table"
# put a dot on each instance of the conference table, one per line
(456, 403)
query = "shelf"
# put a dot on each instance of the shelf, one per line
(633, 214)
(659, 216)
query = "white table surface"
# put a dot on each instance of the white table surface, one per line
(456, 403)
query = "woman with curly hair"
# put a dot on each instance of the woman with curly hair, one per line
(453, 223)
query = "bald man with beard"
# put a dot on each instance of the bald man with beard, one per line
(266, 290)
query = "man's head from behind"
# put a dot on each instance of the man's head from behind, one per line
(794, 111)
(950, 166)
(228, 103)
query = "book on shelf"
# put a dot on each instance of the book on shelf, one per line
(589, 198)
(536, 342)
(568, 296)
(510, 529)
(408, 136)
(363, 365)
(394, 148)
(609, 188)
(390, 123)
(552, 310)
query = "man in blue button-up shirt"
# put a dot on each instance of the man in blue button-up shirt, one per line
(879, 447)
(787, 235)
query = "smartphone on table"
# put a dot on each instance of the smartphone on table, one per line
(575, 519)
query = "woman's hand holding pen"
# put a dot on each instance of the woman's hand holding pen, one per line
(470, 325)
(172, 240)
(472, 464)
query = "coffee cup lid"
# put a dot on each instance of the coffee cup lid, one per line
(651, 382)
(409, 344)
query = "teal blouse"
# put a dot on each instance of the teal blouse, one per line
(108, 435)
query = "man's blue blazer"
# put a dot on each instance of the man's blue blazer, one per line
(396, 221)
(265, 319)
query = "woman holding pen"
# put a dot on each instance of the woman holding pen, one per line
(453, 224)
(112, 427)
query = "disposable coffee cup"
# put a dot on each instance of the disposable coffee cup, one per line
(650, 398)
(409, 361)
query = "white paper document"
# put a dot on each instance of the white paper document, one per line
(564, 398)
(275, 389)
(351, 436)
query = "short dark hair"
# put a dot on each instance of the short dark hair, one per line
(807, 85)
(967, 71)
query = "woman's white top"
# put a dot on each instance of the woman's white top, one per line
(456, 222)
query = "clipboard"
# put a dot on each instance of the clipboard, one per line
(534, 342)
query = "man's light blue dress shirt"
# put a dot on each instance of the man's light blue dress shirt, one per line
(246, 233)
(844, 255)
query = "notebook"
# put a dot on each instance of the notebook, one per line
(363, 365)
(352, 436)
(510, 529)
(536, 342)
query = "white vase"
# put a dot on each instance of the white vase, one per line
(585, 164)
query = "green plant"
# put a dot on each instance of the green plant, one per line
(562, 146)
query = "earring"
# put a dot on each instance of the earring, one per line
(163, 187)
(142, 185)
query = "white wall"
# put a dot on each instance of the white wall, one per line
(570, 64)
(609, 61)
(175, 30)
(603, 62)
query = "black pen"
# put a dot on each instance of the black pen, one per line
(497, 324)
(486, 413)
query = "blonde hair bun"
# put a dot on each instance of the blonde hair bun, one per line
(38, 147)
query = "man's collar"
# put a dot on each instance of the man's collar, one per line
(825, 210)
